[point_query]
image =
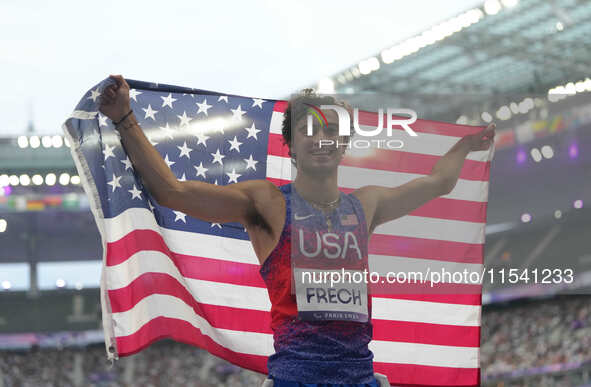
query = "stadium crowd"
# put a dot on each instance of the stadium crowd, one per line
(514, 337)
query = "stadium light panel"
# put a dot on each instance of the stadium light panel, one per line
(23, 141)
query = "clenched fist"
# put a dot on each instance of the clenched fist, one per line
(114, 101)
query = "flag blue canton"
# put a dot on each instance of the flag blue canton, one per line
(201, 135)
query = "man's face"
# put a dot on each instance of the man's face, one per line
(318, 153)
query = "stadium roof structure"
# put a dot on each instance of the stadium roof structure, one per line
(501, 48)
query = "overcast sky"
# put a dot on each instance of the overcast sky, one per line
(52, 52)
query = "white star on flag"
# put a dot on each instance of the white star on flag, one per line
(203, 106)
(135, 193)
(237, 113)
(167, 101)
(183, 178)
(150, 112)
(108, 151)
(185, 150)
(102, 120)
(251, 163)
(252, 132)
(258, 102)
(223, 98)
(179, 216)
(201, 138)
(233, 176)
(201, 170)
(184, 119)
(94, 94)
(215, 225)
(133, 93)
(168, 131)
(115, 182)
(168, 162)
(217, 157)
(127, 163)
(235, 144)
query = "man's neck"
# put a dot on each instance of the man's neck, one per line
(317, 189)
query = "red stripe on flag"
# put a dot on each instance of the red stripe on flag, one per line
(218, 316)
(441, 208)
(416, 332)
(421, 126)
(442, 296)
(182, 331)
(394, 161)
(426, 248)
(212, 269)
(420, 375)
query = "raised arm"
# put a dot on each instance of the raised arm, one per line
(209, 202)
(383, 204)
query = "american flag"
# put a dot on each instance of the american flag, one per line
(166, 274)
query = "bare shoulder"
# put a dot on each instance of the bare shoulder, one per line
(267, 205)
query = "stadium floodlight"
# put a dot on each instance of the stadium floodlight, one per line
(64, 179)
(79, 285)
(66, 142)
(559, 26)
(25, 180)
(60, 283)
(57, 141)
(75, 180)
(34, 142)
(50, 179)
(578, 204)
(326, 86)
(492, 7)
(37, 179)
(547, 151)
(13, 180)
(486, 117)
(434, 34)
(23, 141)
(4, 180)
(536, 155)
(3, 225)
(514, 108)
(558, 214)
(504, 113)
(368, 65)
(526, 218)
(46, 141)
(6, 285)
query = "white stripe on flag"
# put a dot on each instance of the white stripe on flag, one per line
(207, 292)
(83, 115)
(157, 305)
(385, 264)
(424, 143)
(425, 354)
(352, 177)
(425, 312)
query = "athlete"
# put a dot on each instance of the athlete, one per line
(321, 333)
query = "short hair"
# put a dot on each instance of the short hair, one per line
(297, 108)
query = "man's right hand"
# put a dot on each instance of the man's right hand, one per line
(115, 99)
